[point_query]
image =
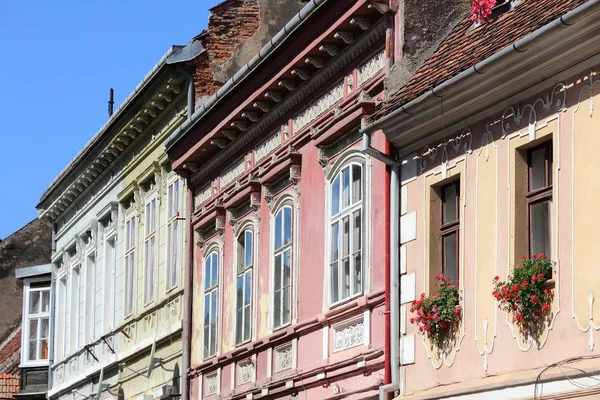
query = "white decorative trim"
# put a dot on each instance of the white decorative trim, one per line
(431, 151)
(283, 358)
(203, 194)
(232, 172)
(267, 146)
(486, 140)
(371, 67)
(318, 107)
(211, 384)
(589, 326)
(246, 372)
(348, 335)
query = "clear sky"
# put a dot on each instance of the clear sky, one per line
(58, 61)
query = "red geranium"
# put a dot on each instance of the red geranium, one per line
(524, 293)
(481, 10)
(438, 312)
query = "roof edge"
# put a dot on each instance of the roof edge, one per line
(118, 112)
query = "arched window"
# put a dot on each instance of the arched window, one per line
(282, 293)
(211, 298)
(243, 309)
(346, 233)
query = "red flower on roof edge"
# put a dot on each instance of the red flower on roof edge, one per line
(481, 10)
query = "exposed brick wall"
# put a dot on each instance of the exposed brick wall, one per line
(10, 351)
(230, 23)
(237, 30)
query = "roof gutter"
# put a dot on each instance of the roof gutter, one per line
(520, 46)
(246, 70)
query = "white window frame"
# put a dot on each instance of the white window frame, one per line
(61, 333)
(211, 291)
(27, 291)
(77, 308)
(109, 318)
(130, 259)
(174, 230)
(343, 212)
(280, 252)
(244, 271)
(151, 217)
(90, 296)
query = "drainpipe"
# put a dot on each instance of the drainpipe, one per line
(191, 92)
(394, 273)
(187, 292)
(52, 310)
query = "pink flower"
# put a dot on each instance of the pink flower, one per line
(533, 278)
(542, 256)
(481, 10)
(496, 277)
(458, 310)
(545, 307)
(443, 325)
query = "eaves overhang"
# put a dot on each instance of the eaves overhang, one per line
(144, 105)
(490, 85)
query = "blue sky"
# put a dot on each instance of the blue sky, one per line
(59, 60)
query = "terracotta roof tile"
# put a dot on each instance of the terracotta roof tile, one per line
(465, 46)
(9, 385)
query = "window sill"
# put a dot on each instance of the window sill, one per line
(345, 301)
(549, 284)
(281, 327)
(34, 364)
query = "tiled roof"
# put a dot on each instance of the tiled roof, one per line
(465, 46)
(10, 351)
(9, 385)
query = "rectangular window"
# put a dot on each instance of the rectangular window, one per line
(150, 251)
(245, 260)
(283, 267)
(77, 314)
(90, 293)
(211, 296)
(36, 321)
(346, 267)
(450, 230)
(61, 319)
(130, 242)
(109, 284)
(539, 198)
(173, 233)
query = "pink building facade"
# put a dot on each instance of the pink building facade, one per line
(290, 245)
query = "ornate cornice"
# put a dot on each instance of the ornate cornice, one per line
(296, 99)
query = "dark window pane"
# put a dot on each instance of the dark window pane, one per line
(238, 325)
(207, 270)
(286, 305)
(540, 227)
(287, 268)
(278, 238)
(538, 168)
(335, 241)
(207, 340)
(214, 275)
(358, 272)
(346, 237)
(450, 198)
(277, 309)
(207, 309)
(346, 187)
(334, 282)
(287, 225)
(34, 302)
(356, 183)
(247, 323)
(249, 244)
(32, 350)
(239, 292)
(450, 256)
(346, 278)
(247, 287)
(278, 260)
(335, 196)
(213, 339)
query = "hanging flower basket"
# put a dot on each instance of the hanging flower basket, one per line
(525, 294)
(439, 313)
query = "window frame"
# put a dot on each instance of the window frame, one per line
(109, 288)
(540, 195)
(280, 252)
(338, 218)
(151, 224)
(450, 228)
(27, 316)
(130, 246)
(206, 292)
(244, 271)
(174, 239)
